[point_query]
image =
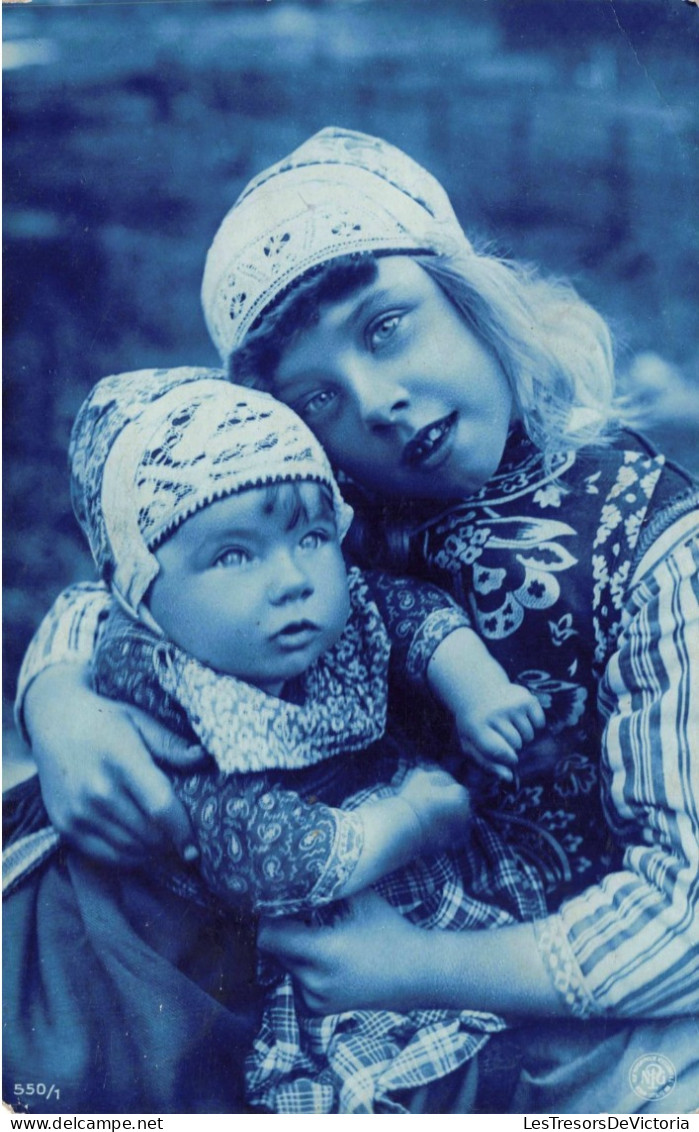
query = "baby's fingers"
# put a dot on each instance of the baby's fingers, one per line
(528, 718)
(536, 713)
(520, 719)
(509, 734)
(493, 754)
(526, 710)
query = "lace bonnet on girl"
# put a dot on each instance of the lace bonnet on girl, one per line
(150, 448)
(338, 193)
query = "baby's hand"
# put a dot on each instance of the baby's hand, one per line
(442, 806)
(494, 718)
(493, 733)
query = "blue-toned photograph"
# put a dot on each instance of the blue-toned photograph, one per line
(351, 603)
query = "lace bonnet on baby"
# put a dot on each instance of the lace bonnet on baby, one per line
(338, 193)
(150, 448)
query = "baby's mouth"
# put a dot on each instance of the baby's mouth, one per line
(297, 633)
(424, 446)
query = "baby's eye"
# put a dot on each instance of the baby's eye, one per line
(316, 403)
(232, 556)
(383, 329)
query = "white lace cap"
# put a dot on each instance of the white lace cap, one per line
(340, 192)
(190, 446)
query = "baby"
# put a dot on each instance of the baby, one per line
(215, 519)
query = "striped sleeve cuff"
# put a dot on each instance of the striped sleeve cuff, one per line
(67, 634)
(562, 967)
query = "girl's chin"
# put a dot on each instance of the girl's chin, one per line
(451, 482)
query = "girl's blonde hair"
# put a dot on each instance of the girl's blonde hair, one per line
(555, 350)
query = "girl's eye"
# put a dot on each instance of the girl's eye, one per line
(383, 329)
(316, 403)
(232, 556)
(312, 540)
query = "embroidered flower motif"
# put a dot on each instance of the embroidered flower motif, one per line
(562, 630)
(632, 525)
(617, 584)
(485, 581)
(609, 521)
(627, 476)
(649, 481)
(582, 864)
(527, 797)
(557, 819)
(549, 496)
(563, 701)
(575, 775)
(463, 548)
(518, 560)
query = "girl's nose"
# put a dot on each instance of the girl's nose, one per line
(381, 401)
(289, 581)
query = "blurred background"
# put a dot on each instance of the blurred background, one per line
(564, 130)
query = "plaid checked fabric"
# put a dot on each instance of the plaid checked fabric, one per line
(362, 1061)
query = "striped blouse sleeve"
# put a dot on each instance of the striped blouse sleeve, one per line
(67, 634)
(629, 946)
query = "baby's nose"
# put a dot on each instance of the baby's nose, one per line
(290, 582)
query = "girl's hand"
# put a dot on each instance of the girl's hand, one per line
(494, 718)
(100, 785)
(369, 959)
(441, 805)
(374, 959)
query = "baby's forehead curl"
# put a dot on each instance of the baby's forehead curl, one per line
(307, 232)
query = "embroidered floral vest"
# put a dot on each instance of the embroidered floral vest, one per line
(541, 562)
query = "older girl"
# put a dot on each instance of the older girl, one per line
(472, 403)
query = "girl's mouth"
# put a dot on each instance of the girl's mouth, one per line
(427, 445)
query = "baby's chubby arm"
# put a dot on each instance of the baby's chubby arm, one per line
(429, 812)
(432, 643)
(282, 852)
(494, 718)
